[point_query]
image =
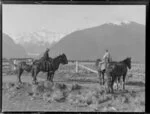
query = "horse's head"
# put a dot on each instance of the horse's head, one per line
(64, 59)
(97, 62)
(128, 62)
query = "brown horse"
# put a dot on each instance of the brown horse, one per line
(115, 70)
(49, 66)
(22, 66)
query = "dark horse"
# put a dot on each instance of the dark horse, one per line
(115, 70)
(22, 66)
(49, 66)
(100, 70)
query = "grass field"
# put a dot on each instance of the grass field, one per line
(74, 92)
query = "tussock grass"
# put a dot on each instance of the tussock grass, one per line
(47, 97)
(88, 97)
(76, 87)
(60, 86)
(58, 93)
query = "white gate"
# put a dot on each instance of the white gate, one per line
(80, 65)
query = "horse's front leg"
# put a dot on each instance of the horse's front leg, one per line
(52, 76)
(118, 82)
(48, 76)
(111, 86)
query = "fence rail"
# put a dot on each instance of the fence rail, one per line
(82, 66)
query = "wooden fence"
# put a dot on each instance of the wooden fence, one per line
(8, 64)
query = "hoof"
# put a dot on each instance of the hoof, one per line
(19, 83)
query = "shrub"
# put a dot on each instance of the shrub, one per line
(47, 97)
(38, 89)
(76, 87)
(60, 86)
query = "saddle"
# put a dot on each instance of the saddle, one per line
(43, 60)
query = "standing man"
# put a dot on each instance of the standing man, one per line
(106, 58)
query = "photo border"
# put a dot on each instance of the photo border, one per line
(73, 2)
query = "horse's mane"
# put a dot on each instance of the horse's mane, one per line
(57, 57)
(124, 61)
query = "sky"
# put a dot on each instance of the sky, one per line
(18, 19)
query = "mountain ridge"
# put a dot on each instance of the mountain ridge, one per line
(121, 40)
(10, 49)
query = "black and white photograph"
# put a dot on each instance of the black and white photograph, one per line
(73, 58)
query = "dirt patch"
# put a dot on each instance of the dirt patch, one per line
(77, 92)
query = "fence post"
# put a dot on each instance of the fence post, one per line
(76, 66)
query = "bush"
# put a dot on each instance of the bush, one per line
(38, 89)
(48, 85)
(76, 87)
(60, 86)
(10, 85)
(47, 97)
(57, 95)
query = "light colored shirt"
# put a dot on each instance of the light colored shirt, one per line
(15, 62)
(106, 56)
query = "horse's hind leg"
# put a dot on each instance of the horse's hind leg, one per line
(51, 77)
(20, 71)
(34, 74)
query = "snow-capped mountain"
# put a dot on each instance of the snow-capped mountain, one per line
(119, 22)
(41, 36)
(37, 41)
